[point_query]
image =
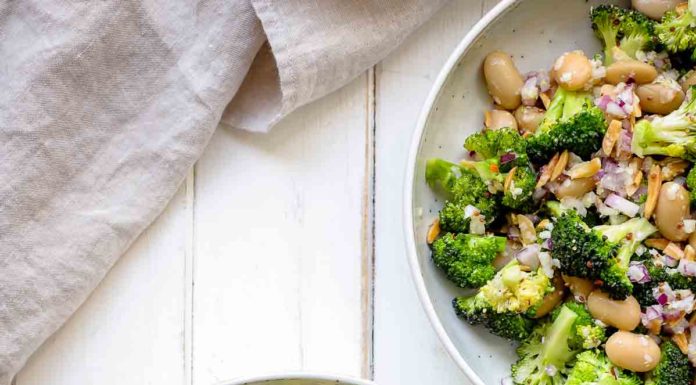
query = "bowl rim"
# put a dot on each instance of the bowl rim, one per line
(411, 251)
(296, 376)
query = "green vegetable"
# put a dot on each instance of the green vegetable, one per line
(462, 187)
(624, 29)
(678, 32)
(691, 184)
(505, 304)
(494, 144)
(572, 122)
(593, 368)
(599, 254)
(585, 334)
(520, 195)
(671, 135)
(545, 354)
(466, 259)
(673, 369)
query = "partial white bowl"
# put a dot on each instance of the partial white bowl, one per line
(297, 378)
(535, 32)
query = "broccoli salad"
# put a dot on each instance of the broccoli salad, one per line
(569, 217)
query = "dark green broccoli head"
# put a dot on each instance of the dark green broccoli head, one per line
(505, 145)
(691, 184)
(671, 135)
(593, 367)
(673, 369)
(463, 187)
(476, 310)
(546, 353)
(572, 123)
(606, 24)
(585, 334)
(519, 195)
(600, 254)
(467, 259)
(677, 33)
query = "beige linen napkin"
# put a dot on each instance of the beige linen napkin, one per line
(105, 105)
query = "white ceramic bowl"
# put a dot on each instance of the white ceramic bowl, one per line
(299, 378)
(535, 32)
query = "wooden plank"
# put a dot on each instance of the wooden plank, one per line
(131, 330)
(279, 255)
(407, 350)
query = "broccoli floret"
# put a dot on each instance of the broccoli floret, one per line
(505, 145)
(545, 354)
(520, 194)
(585, 334)
(638, 33)
(633, 31)
(677, 31)
(467, 259)
(673, 368)
(606, 21)
(507, 302)
(671, 135)
(643, 292)
(476, 310)
(691, 184)
(463, 187)
(600, 254)
(592, 367)
(572, 122)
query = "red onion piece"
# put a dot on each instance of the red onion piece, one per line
(529, 256)
(687, 268)
(638, 273)
(669, 261)
(622, 204)
(662, 299)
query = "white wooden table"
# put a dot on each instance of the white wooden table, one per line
(281, 252)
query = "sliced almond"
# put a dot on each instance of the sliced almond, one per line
(560, 165)
(637, 179)
(689, 253)
(433, 231)
(674, 251)
(546, 171)
(542, 225)
(585, 169)
(682, 342)
(527, 232)
(654, 327)
(654, 184)
(545, 99)
(673, 169)
(657, 243)
(508, 179)
(611, 136)
(487, 118)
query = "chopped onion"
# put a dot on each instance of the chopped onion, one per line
(689, 225)
(470, 211)
(477, 225)
(680, 180)
(623, 205)
(529, 256)
(662, 299)
(546, 263)
(669, 261)
(638, 273)
(687, 268)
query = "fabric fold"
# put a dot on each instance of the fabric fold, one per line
(106, 106)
